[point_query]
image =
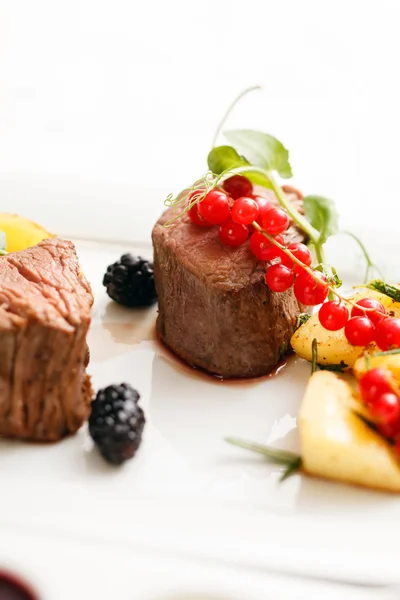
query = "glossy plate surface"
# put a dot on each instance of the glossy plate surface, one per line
(187, 491)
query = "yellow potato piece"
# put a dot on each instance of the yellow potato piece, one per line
(336, 444)
(21, 233)
(390, 362)
(333, 347)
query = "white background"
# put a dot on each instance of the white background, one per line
(107, 106)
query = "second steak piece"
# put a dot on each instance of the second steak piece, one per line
(45, 305)
(215, 310)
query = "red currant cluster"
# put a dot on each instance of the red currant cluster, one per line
(240, 213)
(381, 394)
(369, 322)
(236, 210)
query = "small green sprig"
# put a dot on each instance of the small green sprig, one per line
(316, 366)
(260, 156)
(314, 356)
(338, 368)
(371, 266)
(291, 461)
(302, 318)
(385, 353)
(384, 288)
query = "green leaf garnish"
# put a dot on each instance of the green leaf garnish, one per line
(291, 461)
(258, 155)
(283, 349)
(224, 158)
(384, 288)
(322, 214)
(262, 150)
(330, 273)
(302, 318)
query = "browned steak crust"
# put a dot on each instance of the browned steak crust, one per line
(215, 310)
(45, 306)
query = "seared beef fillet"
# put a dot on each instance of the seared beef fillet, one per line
(45, 304)
(215, 310)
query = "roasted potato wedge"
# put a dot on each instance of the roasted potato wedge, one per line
(333, 347)
(336, 444)
(390, 362)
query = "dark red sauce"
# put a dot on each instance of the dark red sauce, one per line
(199, 373)
(12, 588)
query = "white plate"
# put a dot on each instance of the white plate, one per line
(187, 491)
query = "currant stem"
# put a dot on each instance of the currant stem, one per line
(298, 218)
(230, 109)
(308, 269)
(319, 251)
(370, 265)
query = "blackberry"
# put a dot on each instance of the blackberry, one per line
(116, 422)
(130, 281)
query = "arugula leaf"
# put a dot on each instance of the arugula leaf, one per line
(322, 214)
(224, 158)
(384, 288)
(262, 150)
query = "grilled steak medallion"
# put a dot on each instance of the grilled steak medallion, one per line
(45, 305)
(215, 310)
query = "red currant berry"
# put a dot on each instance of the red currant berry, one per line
(196, 195)
(233, 234)
(359, 331)
(302, 253)
(273, 252)
(259, 245)
(279, 278)
(196, 218)
(214, 208)
(385, 410)
(389, 430)
(374, 383)
(308, 291)
(387, 334)
(193, 213)
(262, 248)
(237, 186)
(376, 316)
(263, 205)
(276, 221)
(245, 211)
(333, 315)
